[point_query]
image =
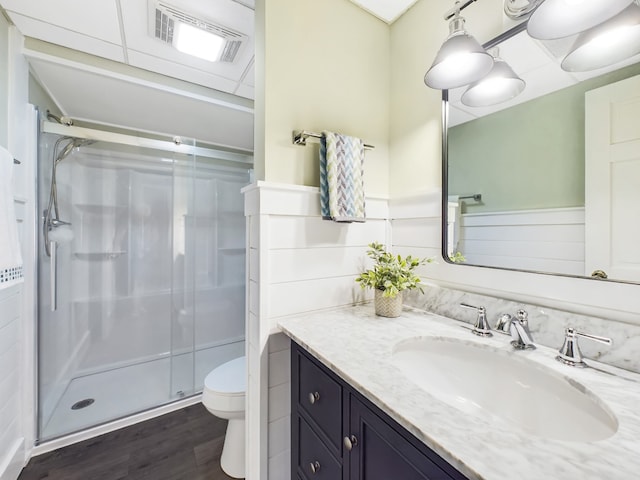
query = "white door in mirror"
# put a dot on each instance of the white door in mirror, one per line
(612, 176)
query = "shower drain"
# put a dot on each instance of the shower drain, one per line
(82, 404)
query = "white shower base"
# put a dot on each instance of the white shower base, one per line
(127, 390)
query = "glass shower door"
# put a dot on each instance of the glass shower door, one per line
(209, 277)
(131, 285)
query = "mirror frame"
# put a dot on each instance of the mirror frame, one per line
(445, 178)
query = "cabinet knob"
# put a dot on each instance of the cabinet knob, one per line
(350, 442)
(314, 467)
(314, 397)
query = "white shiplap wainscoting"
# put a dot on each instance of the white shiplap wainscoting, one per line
(416, 229)
(297, 263)
(11, 429)
(415, 224)
(544, 240)
(554, 302)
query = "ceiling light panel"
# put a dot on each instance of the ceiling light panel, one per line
(196, 34)
(198, 42)
(147, 52)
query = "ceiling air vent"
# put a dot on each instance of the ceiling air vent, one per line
(164, 21)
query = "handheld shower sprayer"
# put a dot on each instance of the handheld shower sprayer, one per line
(55, 229)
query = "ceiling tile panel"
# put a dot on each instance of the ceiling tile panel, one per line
(250, 77)
(181, 71)
(95, 18)
(67, 38)
(246, 91)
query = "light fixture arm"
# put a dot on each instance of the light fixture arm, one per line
(459, 6)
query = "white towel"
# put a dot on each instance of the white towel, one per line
(10, 256)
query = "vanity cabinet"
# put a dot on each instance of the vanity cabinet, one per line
(337, 434)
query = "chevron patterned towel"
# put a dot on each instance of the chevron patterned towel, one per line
(341, 178)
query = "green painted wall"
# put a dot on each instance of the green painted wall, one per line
(528, 156)
(4, 81)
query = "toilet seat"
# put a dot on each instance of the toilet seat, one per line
(225, 386)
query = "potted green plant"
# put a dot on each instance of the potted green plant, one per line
(389, 277)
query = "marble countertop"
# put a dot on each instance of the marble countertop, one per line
(357, 345)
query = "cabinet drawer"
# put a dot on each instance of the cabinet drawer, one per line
(315, 462)
(321, 398)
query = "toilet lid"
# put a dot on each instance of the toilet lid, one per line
(229, 377)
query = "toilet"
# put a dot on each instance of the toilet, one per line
(223, 396)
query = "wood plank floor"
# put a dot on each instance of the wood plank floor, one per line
(182, 445)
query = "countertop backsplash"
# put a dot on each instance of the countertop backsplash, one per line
(547, 325)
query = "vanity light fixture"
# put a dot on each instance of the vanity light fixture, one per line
(461, 59)
(610, 42)
(562, 18)
(499, 85)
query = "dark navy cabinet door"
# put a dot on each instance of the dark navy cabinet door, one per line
(315, 461)
(382, 449)
(320, 397)
(383, 453)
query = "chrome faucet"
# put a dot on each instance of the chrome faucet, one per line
(518, 328)
(570, 353)
(481, 327)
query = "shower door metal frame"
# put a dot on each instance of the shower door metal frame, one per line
(176, 146)
(230, 154)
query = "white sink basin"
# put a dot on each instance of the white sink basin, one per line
(484, 381)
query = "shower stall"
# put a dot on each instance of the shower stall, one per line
(141, 266)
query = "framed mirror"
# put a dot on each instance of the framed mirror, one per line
(549, 181)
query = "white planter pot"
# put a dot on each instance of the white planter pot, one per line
(387, 306)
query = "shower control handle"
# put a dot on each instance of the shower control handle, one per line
(53, 270)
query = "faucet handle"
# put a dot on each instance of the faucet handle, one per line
(503, 324)
(570, 353)
(481, 327)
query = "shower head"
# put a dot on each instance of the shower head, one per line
(73, 143)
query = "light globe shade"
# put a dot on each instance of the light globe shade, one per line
(461, 60)
(562, 18)
(500, 85)
(608, 43)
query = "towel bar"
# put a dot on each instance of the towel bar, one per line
(476, 197)
(299, 137)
